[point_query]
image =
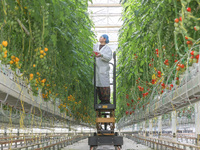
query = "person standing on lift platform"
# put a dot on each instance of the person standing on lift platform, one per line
(103, 56)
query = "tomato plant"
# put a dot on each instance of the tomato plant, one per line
(44, 40)
(161, 34)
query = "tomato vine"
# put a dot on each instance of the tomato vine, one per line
(155, 42)
(50, 42)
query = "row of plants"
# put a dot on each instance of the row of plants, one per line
(158, 41)
(50, 42)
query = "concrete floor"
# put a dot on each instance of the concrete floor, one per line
(128, 145)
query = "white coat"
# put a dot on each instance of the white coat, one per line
(102, 65)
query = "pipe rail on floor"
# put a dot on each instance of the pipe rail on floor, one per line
(159, 143)
(40, 142)
(181, 137)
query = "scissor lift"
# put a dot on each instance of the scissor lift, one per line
(105, 116)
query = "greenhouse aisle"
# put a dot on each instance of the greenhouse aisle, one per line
(128, 145)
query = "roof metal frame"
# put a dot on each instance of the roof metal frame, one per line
(105, 5)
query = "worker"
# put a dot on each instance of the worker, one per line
(103, 56)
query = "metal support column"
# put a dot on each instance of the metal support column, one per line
(159, 126)
(150, 128)
(197, 122)
(140, 129)
(136, 127)
(174, 128)
(144, 128)
(5, 131)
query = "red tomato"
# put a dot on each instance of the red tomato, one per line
(171, 85)
(128, 104)
(132, 100)
(177, 68)
(159, 75)
(96, 53)
(192, 52)
(150, 65)
(197, 57)
(175, 60)
(189, 9)
(159, 72)
(182, 65)
(163, 84)
(127, 112)
(176, 20)
(180, 18)
(188, 42)
(195, 28)
(186, 37)
(156, 50)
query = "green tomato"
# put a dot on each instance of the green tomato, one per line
(177, 82)
(1, 47)
(176, 24)
(177, 29)
(4, 49)
(196, 53)
(190, 60)
(195, 60)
